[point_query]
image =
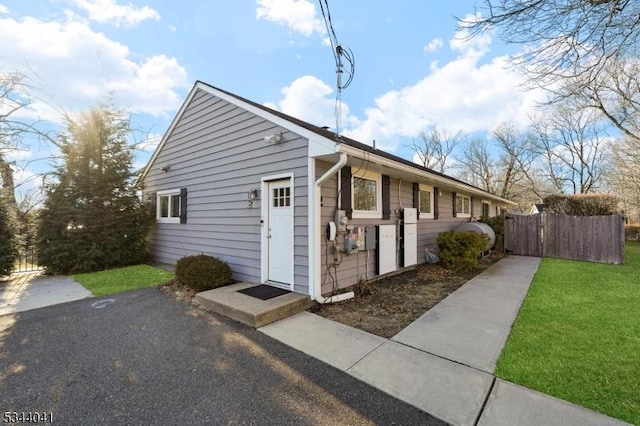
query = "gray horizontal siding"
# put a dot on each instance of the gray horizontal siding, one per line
(217, 151)
(361, 265)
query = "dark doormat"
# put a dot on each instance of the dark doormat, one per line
(264, 292)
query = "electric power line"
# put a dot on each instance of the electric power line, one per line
(339, 53)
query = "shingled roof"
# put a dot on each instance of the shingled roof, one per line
(320, 131)
(326, 133)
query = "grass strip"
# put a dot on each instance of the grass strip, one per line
(118, 280)
(577, 336)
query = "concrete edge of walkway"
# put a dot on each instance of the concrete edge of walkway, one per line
(334, 343)
(433, 382)
(39, 291)
(512, 404)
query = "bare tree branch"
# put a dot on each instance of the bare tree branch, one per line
(574, 49)
(435, 146)
(572, 147)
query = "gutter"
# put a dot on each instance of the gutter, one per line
(315, 219)
(355, 152)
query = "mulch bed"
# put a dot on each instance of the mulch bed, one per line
(386, 306)
(176, 289)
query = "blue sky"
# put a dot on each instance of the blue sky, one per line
(412, 68)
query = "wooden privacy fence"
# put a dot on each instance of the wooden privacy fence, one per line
(591, 238)
(523, 234)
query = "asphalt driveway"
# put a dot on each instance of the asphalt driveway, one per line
(143, 358)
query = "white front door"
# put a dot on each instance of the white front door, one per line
(280, 233)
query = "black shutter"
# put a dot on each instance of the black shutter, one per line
(183, 205)
(455, 212)
(386, 197)
(471, 206)
(153, 204)
(416, 197)
(345, 191)
(436, 194)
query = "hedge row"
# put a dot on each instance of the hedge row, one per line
(581, 204)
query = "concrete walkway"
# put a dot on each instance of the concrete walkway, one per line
(29, 290)
(443, 363)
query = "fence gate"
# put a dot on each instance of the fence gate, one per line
(27, 259)
(523, 235)
(590, 238)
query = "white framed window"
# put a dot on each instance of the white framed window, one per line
(463, 206)
(425, 205)
(281, 197)
(168, 206)
(486, 208)
(366, 195)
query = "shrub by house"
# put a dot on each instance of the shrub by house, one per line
(459, 250)
(202, 272)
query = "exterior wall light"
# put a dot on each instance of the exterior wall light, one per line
(253, 195)
(274, 139)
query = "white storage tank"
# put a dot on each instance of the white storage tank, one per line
(480, 228)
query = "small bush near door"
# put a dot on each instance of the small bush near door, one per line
(202, 272)
(459, 250)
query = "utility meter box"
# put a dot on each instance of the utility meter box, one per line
(370, 241)
(341, 220)
(354, 239)
(410, 215)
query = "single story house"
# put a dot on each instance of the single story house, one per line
(291, 204)
(537, 208)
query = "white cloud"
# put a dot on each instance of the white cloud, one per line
(75, 66)
(4, 10)
(298, 15)
(434, 45)
(471, 47)
(144, 149)
(17, 154)
(150, 143)
(110, 12)
(148, 85)
(468, 94)
(24, 177)
(310, 99)
(462, 95)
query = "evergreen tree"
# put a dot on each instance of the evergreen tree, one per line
(92, 218)
(7, 248)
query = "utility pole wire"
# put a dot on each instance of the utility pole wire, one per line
(339, 52)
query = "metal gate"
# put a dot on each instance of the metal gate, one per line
(523, 235)
(27, 260)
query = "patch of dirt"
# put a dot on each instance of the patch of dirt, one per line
(179, 291)
(386, 306)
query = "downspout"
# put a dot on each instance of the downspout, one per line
(315, 242)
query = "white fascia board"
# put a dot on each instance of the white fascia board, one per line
(355, 152)
(319, 146)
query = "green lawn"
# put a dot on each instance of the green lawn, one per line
(577, 336)
(122, 279)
